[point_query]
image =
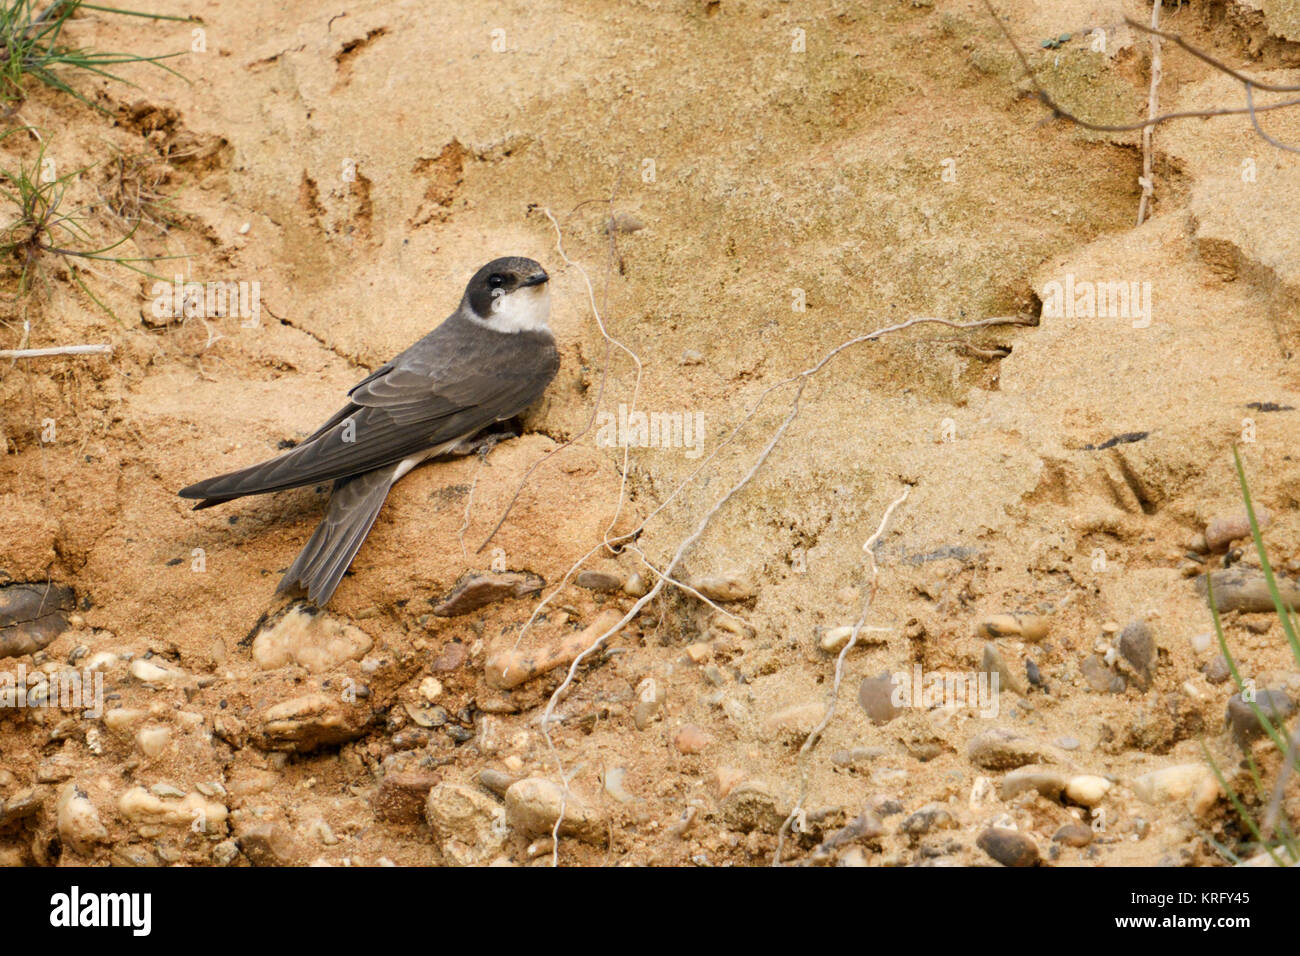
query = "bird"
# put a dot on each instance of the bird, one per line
(487, 362)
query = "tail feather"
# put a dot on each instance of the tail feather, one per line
(351, 513)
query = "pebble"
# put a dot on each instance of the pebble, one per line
(225, 853)
(635, 585)
(614, 785)
(401, 795)
(1008, 847)
(481, 588)
(318, 642)
(1087, 790)
(1000, 749)
(1201, 642)
(727, 778)
(856, 755)
(1193, 783)
(1225, 529)
(992, 663)
(1049, 783)
(1073, 834)
(498, 781)
(153, 740)
(469, 826)
(147, 672)
(1245, 725)
(601, 581)
(1030, 628)
(533, 806)
(1242, 588)
(651, 695)
(875, 695)
(1068, 743)
(305, 723)
(691, 740)
(1138, 647)
(1100, 677)
(269, 844)
(142, 807)
(725, 587)
(798, 721)
(932, 816)
(78, 820)
(751, 807)
(1218, 671)
(32, 615)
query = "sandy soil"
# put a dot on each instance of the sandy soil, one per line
(785, 177)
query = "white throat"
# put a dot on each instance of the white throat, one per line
(524, 310)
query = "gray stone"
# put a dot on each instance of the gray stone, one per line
(1275, 705)
(1008, 847)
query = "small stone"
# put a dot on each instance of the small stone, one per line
(401, 795)
(1073, 834)
(1008, 847)
(727, 779)
(856, 755)
(835, 638)
(692, 357)
(1030, 628)
(1049, 783)
(1225, 529)
(431, 689)
(699, 652)
(635, 585)
(479, 589)
(992, 663)
(225, 853)
(876, 696)
(270, 844)
(1275, 705)
(1201, 642)
(1193, 783)
(1000, 749)
(1100, 677)
(1068, 743)
(153, 740)
(691, 740)
(149, 673)
(624, 222)
(1087, 790)
(533, 806)
(797, 722)
(304, 723)
(498, 781)
(598, 581)
(752, 806)
(78, 820)
(725, 587)
(650, 702)
(933, 816)
(469, 826)
(318, 642)
(1138, 647)
(1218, 671)
(615, 786)
(32, 615)
(1242, 588)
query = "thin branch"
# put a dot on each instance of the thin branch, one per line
(58, 350)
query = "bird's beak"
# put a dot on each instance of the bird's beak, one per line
(537, 278)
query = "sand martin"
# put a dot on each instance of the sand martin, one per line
(487, 362)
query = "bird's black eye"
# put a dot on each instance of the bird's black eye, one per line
(496, 280)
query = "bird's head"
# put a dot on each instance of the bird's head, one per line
(510, 295)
